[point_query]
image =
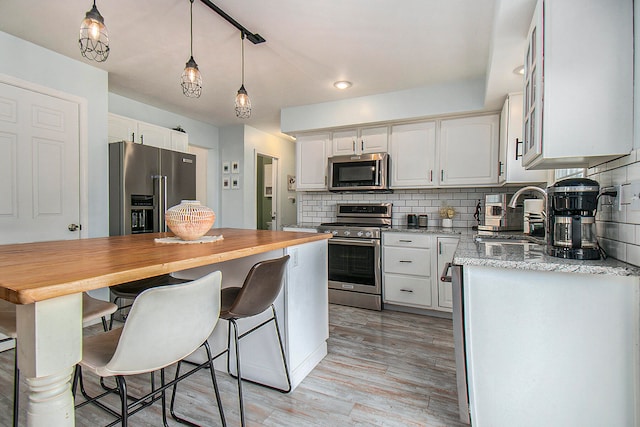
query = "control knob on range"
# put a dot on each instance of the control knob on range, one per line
(359, 233)
(347, 233)
(369, 234)
(334, 232)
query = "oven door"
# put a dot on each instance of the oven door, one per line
(354, 265)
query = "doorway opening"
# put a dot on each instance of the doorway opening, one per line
(266, 192)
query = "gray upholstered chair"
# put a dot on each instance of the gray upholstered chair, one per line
(165, 324)
(257, 294)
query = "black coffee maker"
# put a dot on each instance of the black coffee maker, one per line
(571, 219)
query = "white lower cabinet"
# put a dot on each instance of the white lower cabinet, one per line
(412, 264)
(406, 260)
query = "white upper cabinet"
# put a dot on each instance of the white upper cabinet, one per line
(311, 161)
(360, 141)
(179, 141)
(584, 86)
(126, 129)
(412, 152)
(469, 151)
(122, 128)
(153, 135)
(511, 170)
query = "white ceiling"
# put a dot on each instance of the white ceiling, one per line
(379, 45)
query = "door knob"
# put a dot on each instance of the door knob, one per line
(73, 227)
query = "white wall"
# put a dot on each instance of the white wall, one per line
(240, 143)
(285, 150)
(447, 98)
(32, 63)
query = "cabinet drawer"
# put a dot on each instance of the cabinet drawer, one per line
(407, 290)
(412, 240)
(407, 261)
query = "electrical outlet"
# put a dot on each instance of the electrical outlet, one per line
(633, 195)
(617, 201)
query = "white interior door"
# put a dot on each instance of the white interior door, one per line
(39, 167)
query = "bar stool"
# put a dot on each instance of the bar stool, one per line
(165, 325)
(131, 290)
(92, 309)
(258, 292)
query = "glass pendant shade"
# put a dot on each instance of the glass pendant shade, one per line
(94, 38)
(243, 104)
(191, 80)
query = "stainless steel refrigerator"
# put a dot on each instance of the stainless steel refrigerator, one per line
(144, 182)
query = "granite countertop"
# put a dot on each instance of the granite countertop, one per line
(530, 256)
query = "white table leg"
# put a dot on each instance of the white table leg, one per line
(49, 345)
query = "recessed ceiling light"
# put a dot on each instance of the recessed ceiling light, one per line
(519, 70)
(342, 84)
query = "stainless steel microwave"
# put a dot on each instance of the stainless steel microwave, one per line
(364, 172)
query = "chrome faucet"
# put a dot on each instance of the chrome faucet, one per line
(514, 198)
(516, 195)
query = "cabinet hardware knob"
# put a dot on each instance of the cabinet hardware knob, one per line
(407, 261)
(73, 227)
(405, 241)
(406, 290)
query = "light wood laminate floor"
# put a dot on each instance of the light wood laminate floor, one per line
(383, 369)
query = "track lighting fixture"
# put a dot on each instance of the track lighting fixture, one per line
(191, 78)
(243, 103)
(94, 38)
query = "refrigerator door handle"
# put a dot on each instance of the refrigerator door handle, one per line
(165, 202)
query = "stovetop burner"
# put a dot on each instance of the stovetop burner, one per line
(359, 221)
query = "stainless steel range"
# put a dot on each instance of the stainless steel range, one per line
(354, 254)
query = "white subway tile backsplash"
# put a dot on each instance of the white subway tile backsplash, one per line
(633, 254)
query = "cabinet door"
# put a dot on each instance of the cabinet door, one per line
(311, 162)
(469, 151)
(532, 106)
(413, 155)
(344, 142)
(407, 261)
(446, 249)
(153, 135)
(374, 140)
(407, 290)
(515, 171)
(179, 141)
(121, 129)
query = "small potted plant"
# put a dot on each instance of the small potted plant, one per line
(447, 213)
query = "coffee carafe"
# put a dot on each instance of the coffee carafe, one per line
(571, 216)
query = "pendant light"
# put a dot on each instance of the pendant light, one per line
(243, 103)
(94, 38)
(191, 78)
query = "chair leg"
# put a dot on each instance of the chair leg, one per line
(236, 343)
(104, 324)
(16, 388)
(284, 359)
(215, 388)
(215, 383)
(163, 399)
(122, 387)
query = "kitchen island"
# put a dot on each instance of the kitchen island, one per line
(544, 340)
(46, 280)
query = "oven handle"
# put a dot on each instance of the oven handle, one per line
(354, 242)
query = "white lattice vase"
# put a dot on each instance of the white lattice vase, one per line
(190, 220)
